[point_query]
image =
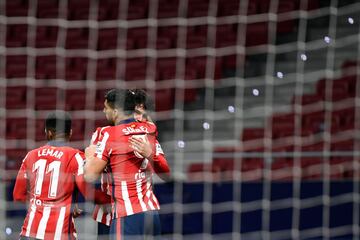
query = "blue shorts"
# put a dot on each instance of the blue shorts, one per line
(136, 226)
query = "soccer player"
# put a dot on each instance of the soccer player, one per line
(134, 204)
(47, 178)
(161, 167)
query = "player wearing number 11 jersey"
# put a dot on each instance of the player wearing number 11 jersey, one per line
(51, 173)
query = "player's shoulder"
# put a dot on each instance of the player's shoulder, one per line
(106, 132)
(70, 151)
(102, 129)
(36, 151)
(32, 152)
(149, 125)
(139, 128)
(152, 128)
(99, 132)
(73, 155)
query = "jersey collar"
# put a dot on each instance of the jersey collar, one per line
(125, 121)
(57, 143)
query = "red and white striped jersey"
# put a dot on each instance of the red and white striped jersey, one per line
(47, 178)
(49, 222)
(100, 213)
(129, 173)
(161, 167)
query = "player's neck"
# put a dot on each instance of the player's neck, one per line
(59, 139)
(121, 118)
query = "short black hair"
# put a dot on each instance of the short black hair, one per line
(121, 99)
(58, 122)
(127, 99)
(141, 97)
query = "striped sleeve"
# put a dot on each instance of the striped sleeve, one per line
(95, 136)
(102, 149)
(80, 164)
(102, 216)
(160, 164)
(158, 149)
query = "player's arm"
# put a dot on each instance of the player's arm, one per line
(144, 148)
(90, 193)
(158, 160)
(76, 210)
(87, 190)
(94, 166)
(20, 189)
(161, 167)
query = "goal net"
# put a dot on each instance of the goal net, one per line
(256, 105)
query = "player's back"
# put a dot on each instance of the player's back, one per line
(50, 171)
(130, 185)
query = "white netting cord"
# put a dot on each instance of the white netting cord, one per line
(178, 117)
(3, 85)
(355, 164)
(208, 125)
(92, 67)
(296, 169)
(30, 80)
(269, 91)
(238, 114)
(330, 65)
(211, 52)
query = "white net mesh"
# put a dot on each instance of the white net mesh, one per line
(256, 105)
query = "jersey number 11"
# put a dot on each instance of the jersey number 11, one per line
(53, 168)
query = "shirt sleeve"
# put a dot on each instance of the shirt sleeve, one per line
(86, 189)
(161, 166)
(158, 149)
(78, 163)
(20, 188)
(102, 146)
(95, 136)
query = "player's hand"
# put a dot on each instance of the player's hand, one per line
(106, 208)
(90, 151)
(77, 211)
(141, 146)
